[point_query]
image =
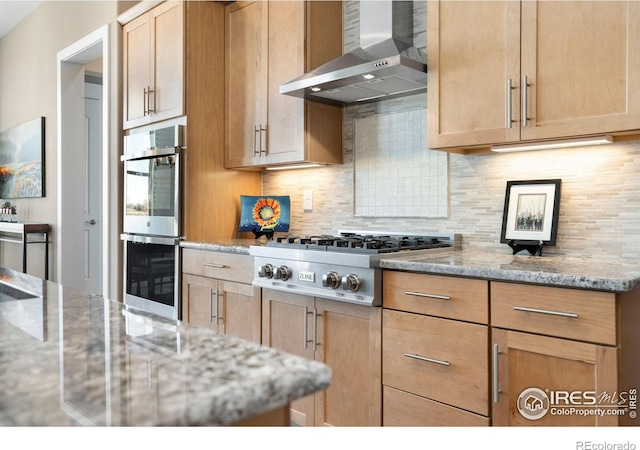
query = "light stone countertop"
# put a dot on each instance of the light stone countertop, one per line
(68, 358)
(614, 275)
(225, 245)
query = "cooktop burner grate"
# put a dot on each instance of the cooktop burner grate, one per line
(359, 243)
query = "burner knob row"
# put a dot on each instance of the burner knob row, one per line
(349, 282)
(279, 273)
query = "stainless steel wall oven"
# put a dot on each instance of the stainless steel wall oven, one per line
(152, 221)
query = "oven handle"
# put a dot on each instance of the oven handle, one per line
(139, 239)
(152, 153)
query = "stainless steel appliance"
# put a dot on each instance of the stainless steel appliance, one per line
(152, 222)
(343, 268)
(385, 65)
(152, 181)
(152, 274)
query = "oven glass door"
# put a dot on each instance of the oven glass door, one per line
(152, 195)
(151, 276)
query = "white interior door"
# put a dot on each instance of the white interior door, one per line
(92, 260)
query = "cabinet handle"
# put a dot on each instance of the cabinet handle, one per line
(212, 299)
(306, 327)
(145, 102)
(149, 92)
(265, 139)
(496, 391)
(216, 266)
(219, 314)
(544, 311)
(256, 135)
(315, 329)
(509, 123)
(424, 358)
(420, 294)
(524, 101)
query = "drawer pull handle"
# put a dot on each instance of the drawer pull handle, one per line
(496, 381)
(424, 358)
(544, 311)
(216, 266)
(420, 294)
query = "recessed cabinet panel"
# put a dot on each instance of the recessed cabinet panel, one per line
(153, 63)
(473, 52)
(582, 63)
(268, 44)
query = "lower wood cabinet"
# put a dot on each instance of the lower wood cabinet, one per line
(217, 293)
(347, 338)
(409, 410)
(435, 342)
(547, 381)
(226, 307)
(564, 357)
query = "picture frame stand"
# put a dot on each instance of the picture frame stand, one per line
(534, 248)
(259, 234)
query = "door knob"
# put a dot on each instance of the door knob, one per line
(90, 222)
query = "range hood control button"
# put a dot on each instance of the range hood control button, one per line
(331, 280)
(351, 282)
(265, 271)
(282, 273)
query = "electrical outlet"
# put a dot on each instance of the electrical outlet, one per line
(307, 200)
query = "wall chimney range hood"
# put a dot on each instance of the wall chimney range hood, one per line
(385, 65)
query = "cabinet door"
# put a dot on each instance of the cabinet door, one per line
(239, 310)
(246, 81)
(287, 324)
(473, 50)
(563, 375)
(349, 341)
(137, 66)
(582, 63)
(285, 130)
(167, 31)
(199, 301)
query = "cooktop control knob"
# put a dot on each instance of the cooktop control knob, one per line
(282, 273)
(331, 280)
(265, 271)
(351, 282)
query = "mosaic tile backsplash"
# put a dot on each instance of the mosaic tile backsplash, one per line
(390, 163)
(600, 195)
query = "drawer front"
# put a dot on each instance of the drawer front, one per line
(567, 313)
(444, 360)
(450, 297)
(220, 265)
(402, 409)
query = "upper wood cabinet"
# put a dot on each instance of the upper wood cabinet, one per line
(153, 65)
(269, 44)
(504, 72)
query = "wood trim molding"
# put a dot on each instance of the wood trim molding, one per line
(137, 10)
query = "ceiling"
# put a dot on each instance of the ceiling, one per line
(12, 12)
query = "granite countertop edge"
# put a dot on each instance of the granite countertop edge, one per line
(240, 246)
(558, 271)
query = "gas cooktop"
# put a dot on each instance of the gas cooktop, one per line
(352, 242)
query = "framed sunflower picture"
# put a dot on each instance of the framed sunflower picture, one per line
(264, 215)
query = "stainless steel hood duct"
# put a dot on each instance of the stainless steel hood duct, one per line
(385, 65)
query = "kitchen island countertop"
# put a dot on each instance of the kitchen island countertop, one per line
(68, 358)
(613, 275)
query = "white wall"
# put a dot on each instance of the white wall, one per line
(28, 83)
